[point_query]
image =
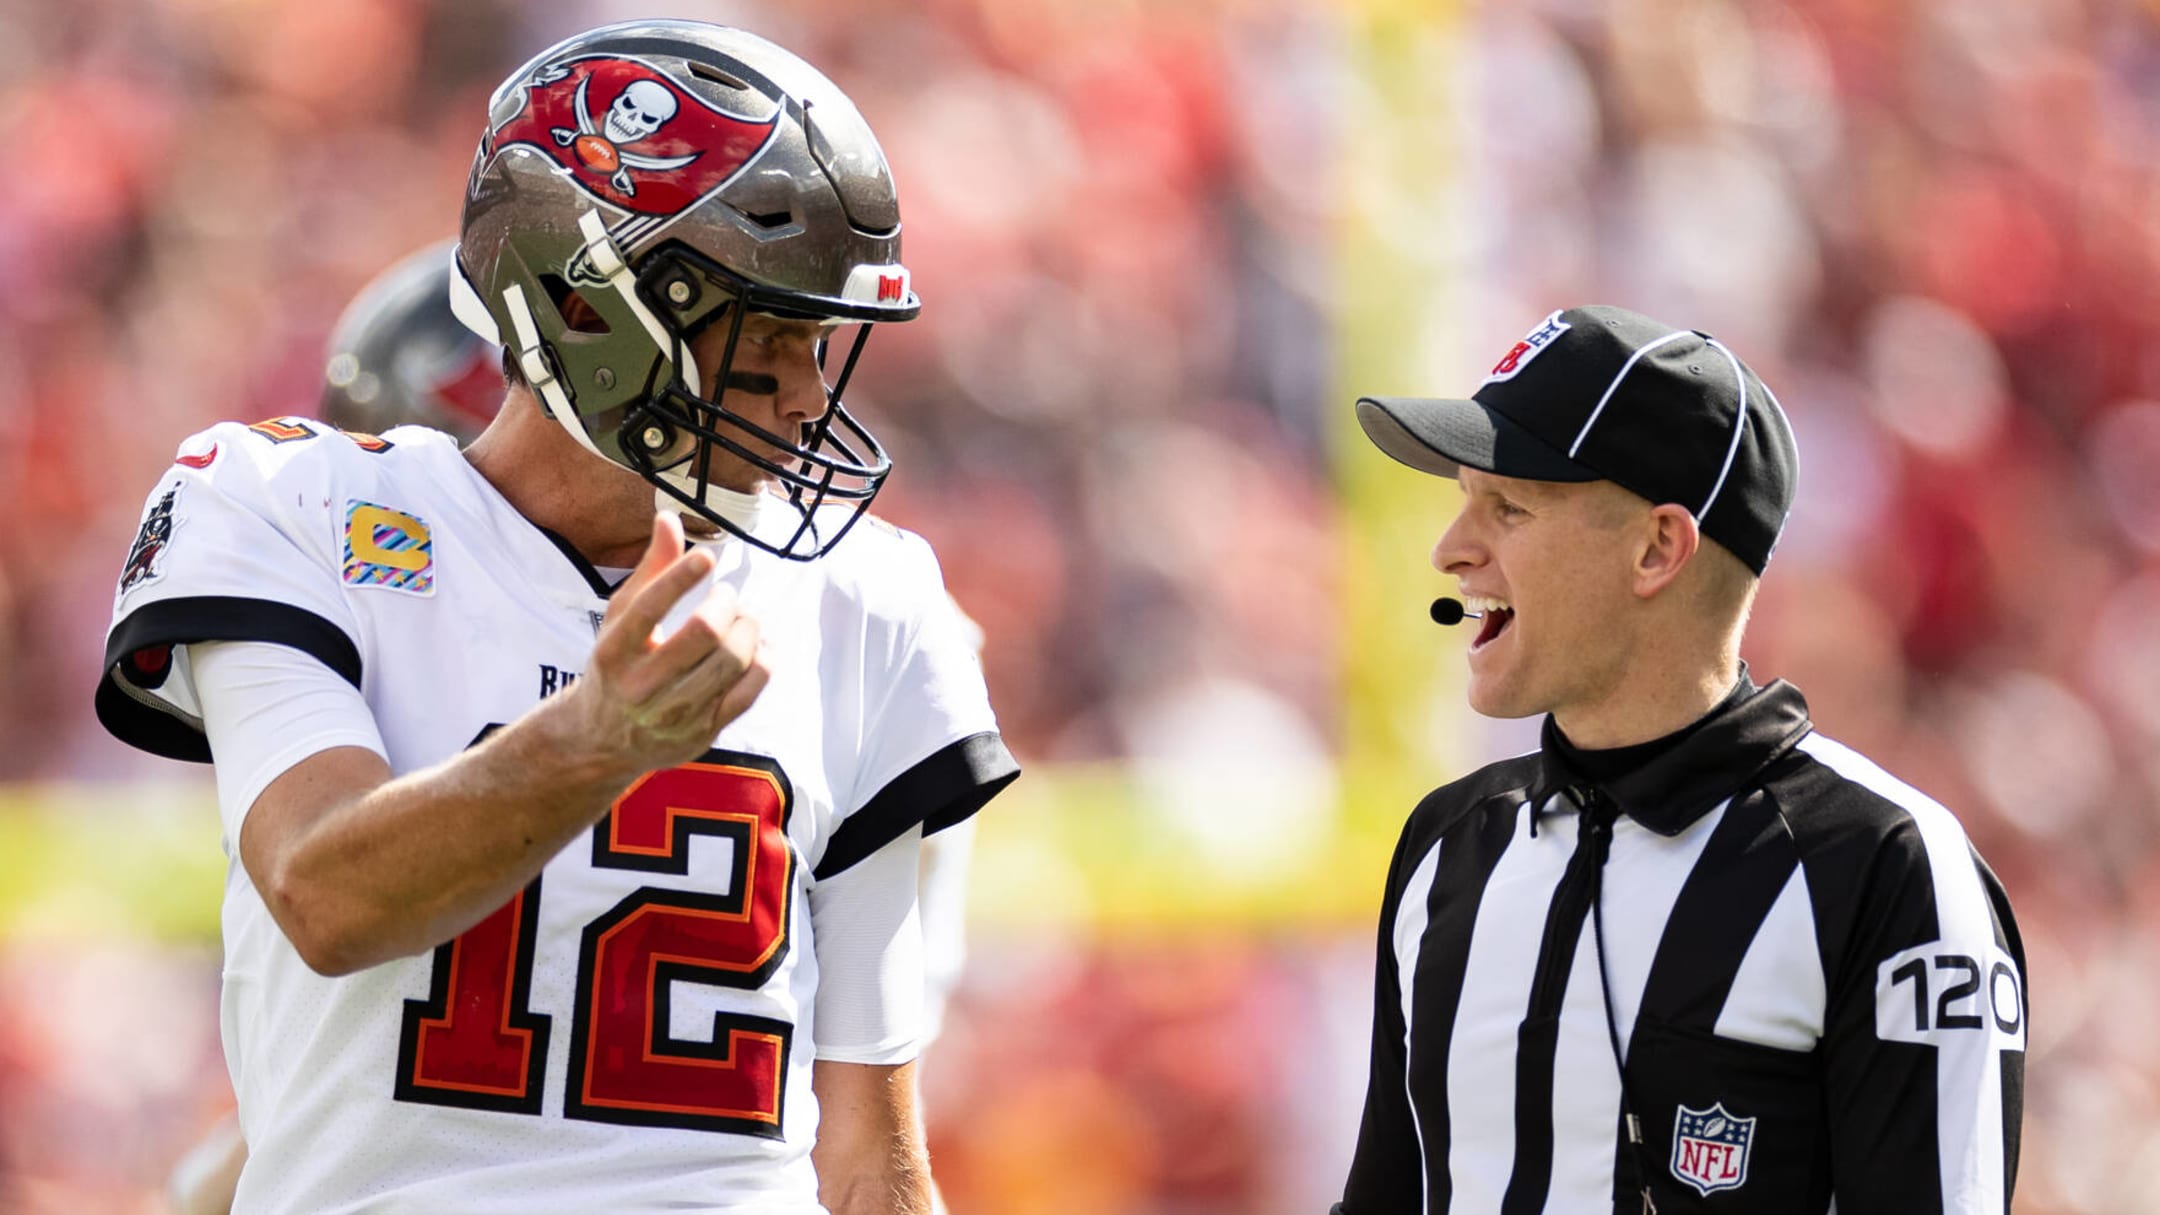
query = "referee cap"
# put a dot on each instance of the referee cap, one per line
(1604, 394)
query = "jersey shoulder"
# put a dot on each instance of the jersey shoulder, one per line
(252, 534)
(237, 493)
(1888, 866)
(890, 570)
(1836, 801)
(1498, 787)
(281, 459)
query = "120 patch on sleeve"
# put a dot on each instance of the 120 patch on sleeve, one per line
(388, 548)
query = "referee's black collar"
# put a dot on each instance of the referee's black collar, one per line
(1716, 760)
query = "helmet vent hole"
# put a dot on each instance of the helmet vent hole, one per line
(706, 71)
(577, 315)
(770, 220)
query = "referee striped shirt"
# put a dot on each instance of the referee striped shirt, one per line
(1754, 974)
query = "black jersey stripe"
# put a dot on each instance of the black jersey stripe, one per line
(145, 721)
(2013, 1061)
(942, 789)
(1721, 908)
(1743, 870)
(1387, 1131)
(1538, 1038)
(1469, 852)
(2013, 1101)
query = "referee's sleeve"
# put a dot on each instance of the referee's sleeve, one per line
(1385, 1170)
(1925, 1032)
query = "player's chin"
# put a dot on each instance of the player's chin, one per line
(732, 472)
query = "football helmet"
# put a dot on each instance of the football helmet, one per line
(398, 356)
(676, 175)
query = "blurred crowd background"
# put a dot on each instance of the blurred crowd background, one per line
(1162, 244)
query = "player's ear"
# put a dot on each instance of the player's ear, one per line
(1668, 540)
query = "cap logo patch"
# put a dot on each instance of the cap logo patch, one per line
(144, 560)
(629, 135)
(388, 549)
(1710, 1148)
(1528, 348)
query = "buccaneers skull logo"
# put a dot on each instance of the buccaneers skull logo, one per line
(630, 135)
(150, 542)
(642, 108)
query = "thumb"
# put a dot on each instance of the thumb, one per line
(666, 546)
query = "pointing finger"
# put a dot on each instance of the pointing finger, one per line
(628, 632)
(702, 631)
(664, 547)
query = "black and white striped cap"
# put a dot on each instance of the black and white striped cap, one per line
(1601, 393)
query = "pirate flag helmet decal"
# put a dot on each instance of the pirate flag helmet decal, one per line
(676, 175)
(617, 125)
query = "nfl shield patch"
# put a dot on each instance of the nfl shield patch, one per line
(388, 549)
(1532, 345)
(1710, 1148)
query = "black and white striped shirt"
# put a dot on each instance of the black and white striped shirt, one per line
(1814, 981)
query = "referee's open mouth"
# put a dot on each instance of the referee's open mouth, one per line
(1497, 616)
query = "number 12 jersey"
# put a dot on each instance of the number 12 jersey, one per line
(635, 1029)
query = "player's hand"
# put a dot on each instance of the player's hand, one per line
(652, 703)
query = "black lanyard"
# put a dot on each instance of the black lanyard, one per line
(1598, 815)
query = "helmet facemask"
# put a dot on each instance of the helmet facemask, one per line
(671, 438)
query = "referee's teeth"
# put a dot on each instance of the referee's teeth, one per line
(1495, 623)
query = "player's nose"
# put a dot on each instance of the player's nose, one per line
(802, 396)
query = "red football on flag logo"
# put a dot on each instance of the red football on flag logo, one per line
(631, 136)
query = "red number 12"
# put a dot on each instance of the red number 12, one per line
(475, 1042)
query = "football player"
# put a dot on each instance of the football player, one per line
(399, 357)
(577, 865)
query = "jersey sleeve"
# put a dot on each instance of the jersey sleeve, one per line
(931, 754)
(944, 867)
(265, 708)
(866, 926)
(237, 543)
(1924, 1037)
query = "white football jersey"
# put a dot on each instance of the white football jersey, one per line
(635, 1031)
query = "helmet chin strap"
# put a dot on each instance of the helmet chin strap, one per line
(743, 510)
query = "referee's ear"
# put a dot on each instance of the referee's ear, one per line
(1666, 541)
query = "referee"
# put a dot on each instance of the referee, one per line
(1689, 955)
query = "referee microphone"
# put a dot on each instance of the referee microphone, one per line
(1450, 611)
